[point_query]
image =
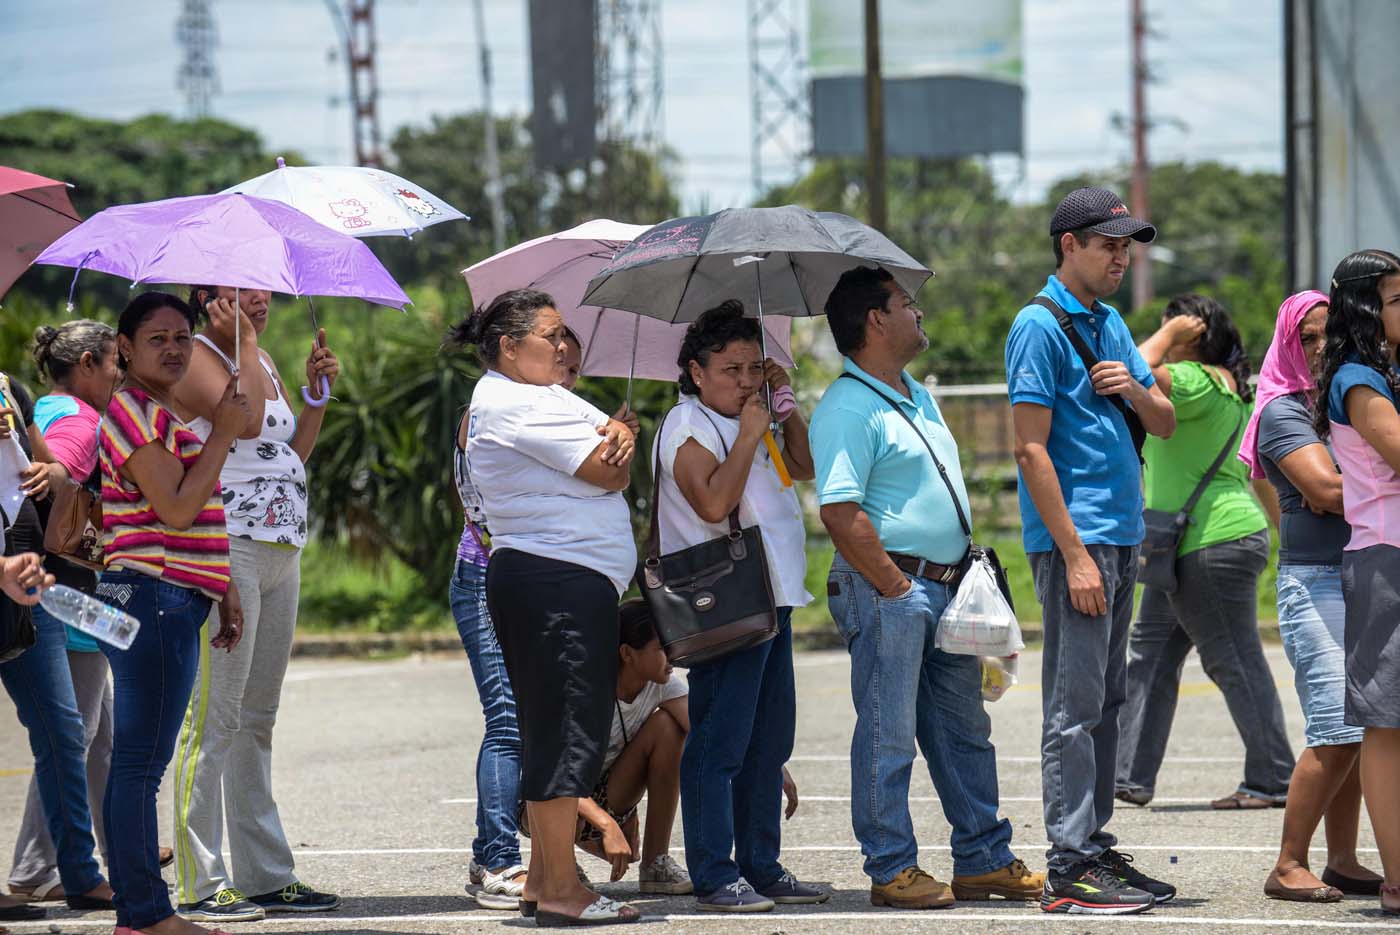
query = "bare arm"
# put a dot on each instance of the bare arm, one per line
(598, 472)
(855, 538)
(1268, 499)
(1180, 331)
(1312, 470)
(798, 453)
(202, 386)
(679, 708)
(1032, 426)
(178, 495)
(1375, 419)
(711, 487)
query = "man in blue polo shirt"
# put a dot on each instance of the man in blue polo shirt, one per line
(1081, 518)
(895, 522)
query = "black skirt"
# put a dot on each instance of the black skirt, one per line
(1371, 586)
(558, 628)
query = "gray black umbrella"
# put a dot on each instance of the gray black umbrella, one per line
(679, 268)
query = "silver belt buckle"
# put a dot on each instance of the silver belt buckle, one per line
(949, 572)
(919, 572)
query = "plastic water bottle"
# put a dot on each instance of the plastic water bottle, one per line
(96, 618)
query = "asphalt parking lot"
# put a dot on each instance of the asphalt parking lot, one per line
(374, 772)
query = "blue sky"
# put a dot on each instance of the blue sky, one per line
(1217, 65)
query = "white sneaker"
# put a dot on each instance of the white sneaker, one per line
(501, 890)
(663, 876)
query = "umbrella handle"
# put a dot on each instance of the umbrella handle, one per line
(777, 456)
(312, 401)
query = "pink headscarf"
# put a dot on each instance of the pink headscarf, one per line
(1285, 369)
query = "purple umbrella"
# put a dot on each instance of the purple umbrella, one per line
(234, 240)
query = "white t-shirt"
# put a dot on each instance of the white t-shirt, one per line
(765, 503)
(634, 713)
(524, 444)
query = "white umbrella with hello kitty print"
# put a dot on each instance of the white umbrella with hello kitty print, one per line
(354, 200)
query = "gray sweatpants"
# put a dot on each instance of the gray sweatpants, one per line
(1082, 686)
(223, 759)
(35, 861)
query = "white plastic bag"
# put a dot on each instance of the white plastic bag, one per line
(978, 621)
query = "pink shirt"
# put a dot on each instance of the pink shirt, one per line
(69, 426)
(1370, 486)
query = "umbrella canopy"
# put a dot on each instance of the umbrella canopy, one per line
(34, 212)
(229, 240)
(354, 200)
(562, 264)
(680, 268)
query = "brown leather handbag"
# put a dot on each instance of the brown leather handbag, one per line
(74, 531)
(710, 599)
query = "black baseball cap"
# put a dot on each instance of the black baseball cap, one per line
(1102, 212)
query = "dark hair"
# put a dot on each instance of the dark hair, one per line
(201, 313)
(143, 307)
(58, 350)
(636, 627)
(1354, 326)
(1220, 345)
(510, 314)
(857, 291)
(711, 333)
(1081, 236)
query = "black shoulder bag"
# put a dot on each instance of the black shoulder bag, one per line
(1166, 529)
(710, 599)
(975, 552)
(1091, 360)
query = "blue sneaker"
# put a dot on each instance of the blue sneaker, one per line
(736, 897)
(298, 897)
(788, 890)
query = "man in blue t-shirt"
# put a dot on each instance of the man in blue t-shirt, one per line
(899, 525)
(1081, 516)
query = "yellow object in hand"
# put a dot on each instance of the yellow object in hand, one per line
(777, 456)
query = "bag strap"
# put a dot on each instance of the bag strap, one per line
(1090, 361)
(654, 532)
(1214, 469)
(942, 471)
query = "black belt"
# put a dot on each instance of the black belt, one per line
(923, 568)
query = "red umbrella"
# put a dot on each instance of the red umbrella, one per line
(34, 212)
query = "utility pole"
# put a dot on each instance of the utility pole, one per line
(1142, 269)
(495, 192)
(364, 86)
(874, 118)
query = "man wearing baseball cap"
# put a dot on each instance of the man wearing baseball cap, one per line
(1081, 398)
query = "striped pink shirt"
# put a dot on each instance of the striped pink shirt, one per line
(133, 534)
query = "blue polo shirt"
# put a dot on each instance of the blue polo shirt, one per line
(866, 453)
(1093, 453)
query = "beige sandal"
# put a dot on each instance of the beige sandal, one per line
(50, 892)
(1240, 800)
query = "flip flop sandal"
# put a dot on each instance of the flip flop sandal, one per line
(1237, 801)
(603, 911)
(50, 892)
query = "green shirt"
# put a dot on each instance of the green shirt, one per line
(1207, 415)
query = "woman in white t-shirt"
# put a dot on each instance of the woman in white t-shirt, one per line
(548, 469)
(743, 706)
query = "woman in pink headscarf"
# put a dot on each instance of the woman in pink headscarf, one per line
(1281, 444)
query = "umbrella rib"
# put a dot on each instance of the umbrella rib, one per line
(49, 207)
(573, 259)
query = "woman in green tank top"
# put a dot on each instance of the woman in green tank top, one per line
(1199, 361)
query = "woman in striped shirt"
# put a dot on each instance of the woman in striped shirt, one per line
(167, 561)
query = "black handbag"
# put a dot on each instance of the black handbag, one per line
(17, 631)
(1090, 359)
(975, 552)
(1166, 529)
(710, 599)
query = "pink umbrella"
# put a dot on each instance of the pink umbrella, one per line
(34, 212)
(615, 343)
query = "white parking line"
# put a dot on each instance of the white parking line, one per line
(840, 848)
(1159, 800)
(846, 758)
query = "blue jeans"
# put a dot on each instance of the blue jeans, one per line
(498, 761)
(908, 693)
(152, 680)
(1312, 623)
(743, 715)
(42, 688)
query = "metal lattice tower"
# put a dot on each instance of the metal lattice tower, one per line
(780, 145)
(196, 77)
(629, 76)
(364, 97)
